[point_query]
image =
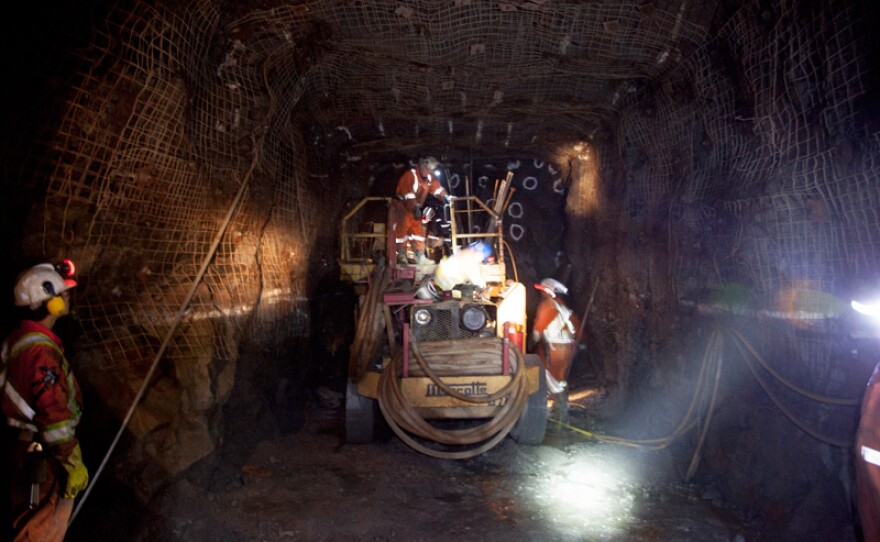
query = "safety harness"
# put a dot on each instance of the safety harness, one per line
(415, 186)
(413, 195)
(52, 434)
(555, 332)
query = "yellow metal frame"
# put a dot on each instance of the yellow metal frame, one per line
(457, 216)
(358, 269)
(415, 389)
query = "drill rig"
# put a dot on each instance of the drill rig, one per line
(439, 352)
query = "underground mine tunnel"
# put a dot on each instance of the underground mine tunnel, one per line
(702, 177)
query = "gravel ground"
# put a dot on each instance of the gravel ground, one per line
(309, 486)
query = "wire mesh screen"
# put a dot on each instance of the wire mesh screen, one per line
(749, 144)
(755, 151)
(759, 155)
(162, 128)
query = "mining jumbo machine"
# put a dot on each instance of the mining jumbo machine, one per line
(443, 367)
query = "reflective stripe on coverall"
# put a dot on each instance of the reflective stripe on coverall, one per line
(868, 460)
(555, 327)
(411, 192)
(41, 398)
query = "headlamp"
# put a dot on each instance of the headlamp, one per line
(473, 318)
(422, 317)
(66, 269)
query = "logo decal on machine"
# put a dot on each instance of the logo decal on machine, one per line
(470, 389)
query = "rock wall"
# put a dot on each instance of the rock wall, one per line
(176, 181)
(746, 173)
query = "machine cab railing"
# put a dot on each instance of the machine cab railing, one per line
(363, 238)
(471, 220)
(366, 238)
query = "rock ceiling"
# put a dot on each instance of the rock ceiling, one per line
(467, 73)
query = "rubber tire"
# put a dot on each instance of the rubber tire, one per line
(532, 423)
(360, 416)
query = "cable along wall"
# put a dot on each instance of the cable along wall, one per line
(759, 158)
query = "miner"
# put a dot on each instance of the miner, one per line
(555, 331)
(42, 404)
(867, 449)
(413, 188)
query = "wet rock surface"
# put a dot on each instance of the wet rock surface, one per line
(309, 486)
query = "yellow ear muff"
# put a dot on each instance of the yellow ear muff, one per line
(55, 306)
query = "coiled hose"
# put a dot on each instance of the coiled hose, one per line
(368, 333)
(405, 420)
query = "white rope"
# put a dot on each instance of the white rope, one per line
(169, 335)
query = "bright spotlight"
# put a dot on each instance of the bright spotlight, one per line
(590, 495)
(871, 309)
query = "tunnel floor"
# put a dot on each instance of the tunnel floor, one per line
(309, 486)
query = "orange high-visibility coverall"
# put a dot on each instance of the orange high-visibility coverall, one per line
(868, 460)
(42, 400)
(557, 335)
(412, 190)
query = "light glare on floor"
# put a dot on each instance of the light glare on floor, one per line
(588, 494)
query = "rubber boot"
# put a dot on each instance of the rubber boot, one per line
(560, 404)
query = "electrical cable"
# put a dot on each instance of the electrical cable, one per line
(713, 361)
(695, 459)
(788, 414)
(688, 421)
(512, 260)
(468, 436)
(790, 385)
(474, 348)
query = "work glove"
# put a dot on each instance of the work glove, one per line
(447, 198)
(77, 474)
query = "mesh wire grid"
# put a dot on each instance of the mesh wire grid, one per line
(750, 139)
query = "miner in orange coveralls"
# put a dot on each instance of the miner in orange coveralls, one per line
(868, 444)
(414, 186)
(41, 402)
(555, 331)
(868, 460)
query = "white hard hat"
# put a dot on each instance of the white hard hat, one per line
(430, 162)
(552, 287)
(38, 284)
